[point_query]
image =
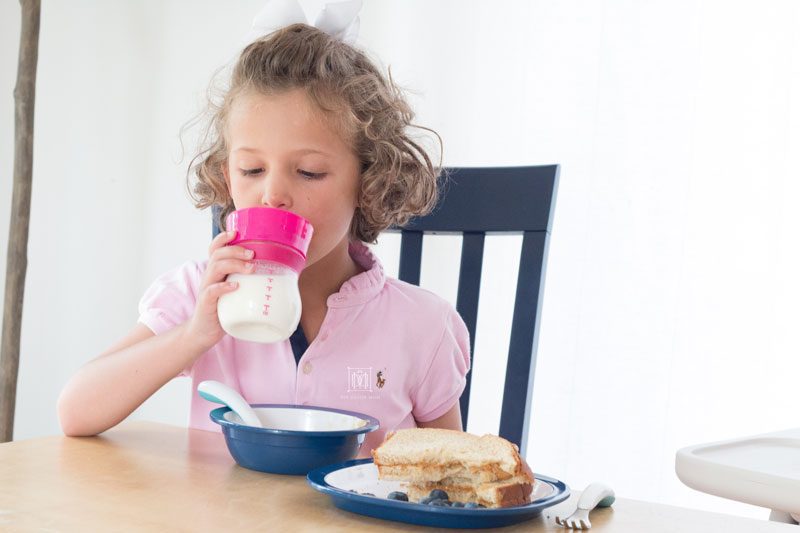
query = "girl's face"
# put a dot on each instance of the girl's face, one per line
(284, 154)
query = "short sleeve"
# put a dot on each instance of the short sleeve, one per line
(445, 379)
(171, 298)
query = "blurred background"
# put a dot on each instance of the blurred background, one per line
(670, 307)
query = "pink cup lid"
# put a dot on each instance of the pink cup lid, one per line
(270, 224)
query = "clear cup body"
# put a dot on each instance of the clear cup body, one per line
(265, 307)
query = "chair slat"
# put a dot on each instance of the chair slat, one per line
(215, 229)
(521, 365)
(410, 256)
(469, 285)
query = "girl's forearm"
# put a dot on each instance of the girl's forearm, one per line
(109, 388)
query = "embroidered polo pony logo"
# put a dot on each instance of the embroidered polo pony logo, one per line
(381, 380)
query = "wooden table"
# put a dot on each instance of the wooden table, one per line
(143, 476)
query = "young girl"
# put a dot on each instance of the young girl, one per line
(311, 126)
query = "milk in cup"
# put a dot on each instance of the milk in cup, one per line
(266, 305)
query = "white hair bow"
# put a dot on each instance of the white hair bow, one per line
(338, 19)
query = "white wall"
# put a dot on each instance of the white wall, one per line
(669, 312)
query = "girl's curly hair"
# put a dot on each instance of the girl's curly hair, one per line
(398, 180)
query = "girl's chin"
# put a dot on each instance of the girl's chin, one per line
(313, 257)
(319, 250)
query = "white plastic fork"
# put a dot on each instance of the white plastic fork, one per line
(595, 495)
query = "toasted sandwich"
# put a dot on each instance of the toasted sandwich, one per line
(486, 470)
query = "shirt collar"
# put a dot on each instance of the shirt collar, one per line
(364, 286)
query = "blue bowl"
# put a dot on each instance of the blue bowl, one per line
(296, 438)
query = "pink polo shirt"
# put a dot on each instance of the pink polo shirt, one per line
(385, 348)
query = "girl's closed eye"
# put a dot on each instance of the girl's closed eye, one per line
(251, 171)
(305, 173)
(312, 175)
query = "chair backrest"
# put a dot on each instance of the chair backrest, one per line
(476, 202)
(502, 200)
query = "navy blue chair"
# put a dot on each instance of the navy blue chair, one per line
(502, 200)
(476, 202)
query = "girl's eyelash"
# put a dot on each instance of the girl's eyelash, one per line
(304, 173)
(312, 175)
(250, 171)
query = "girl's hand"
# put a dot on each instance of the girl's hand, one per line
(204, 327)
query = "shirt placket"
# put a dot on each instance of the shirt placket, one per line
(307, 366)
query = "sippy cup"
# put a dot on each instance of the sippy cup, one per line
(266, 305)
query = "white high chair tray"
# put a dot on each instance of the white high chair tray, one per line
(761, 470)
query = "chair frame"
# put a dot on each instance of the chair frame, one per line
(476, 202)
(495, 200)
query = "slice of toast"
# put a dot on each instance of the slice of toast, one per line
(428, 455)
(504, 493)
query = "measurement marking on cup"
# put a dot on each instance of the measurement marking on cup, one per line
(265, 310)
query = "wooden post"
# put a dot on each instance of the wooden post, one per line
(17, 260)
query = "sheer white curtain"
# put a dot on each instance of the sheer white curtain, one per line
(669, 311)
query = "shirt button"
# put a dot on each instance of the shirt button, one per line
(307, 368)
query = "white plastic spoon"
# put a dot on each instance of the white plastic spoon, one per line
(217, 392)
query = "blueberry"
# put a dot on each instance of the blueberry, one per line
(397, 495)
(439, 503)
(458, 504)
(473, 505)
(367, 494)
(439, 494)
(426, 500)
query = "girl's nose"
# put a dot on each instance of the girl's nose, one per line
(276, 193)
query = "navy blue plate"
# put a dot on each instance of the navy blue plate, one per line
(347, 482)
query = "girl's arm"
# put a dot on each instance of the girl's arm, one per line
(110, 387)
(450, 420)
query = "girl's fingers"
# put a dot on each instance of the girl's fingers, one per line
(224, 260)
(212, 293)
(227, 252)
(218, 270)
(221, 240)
